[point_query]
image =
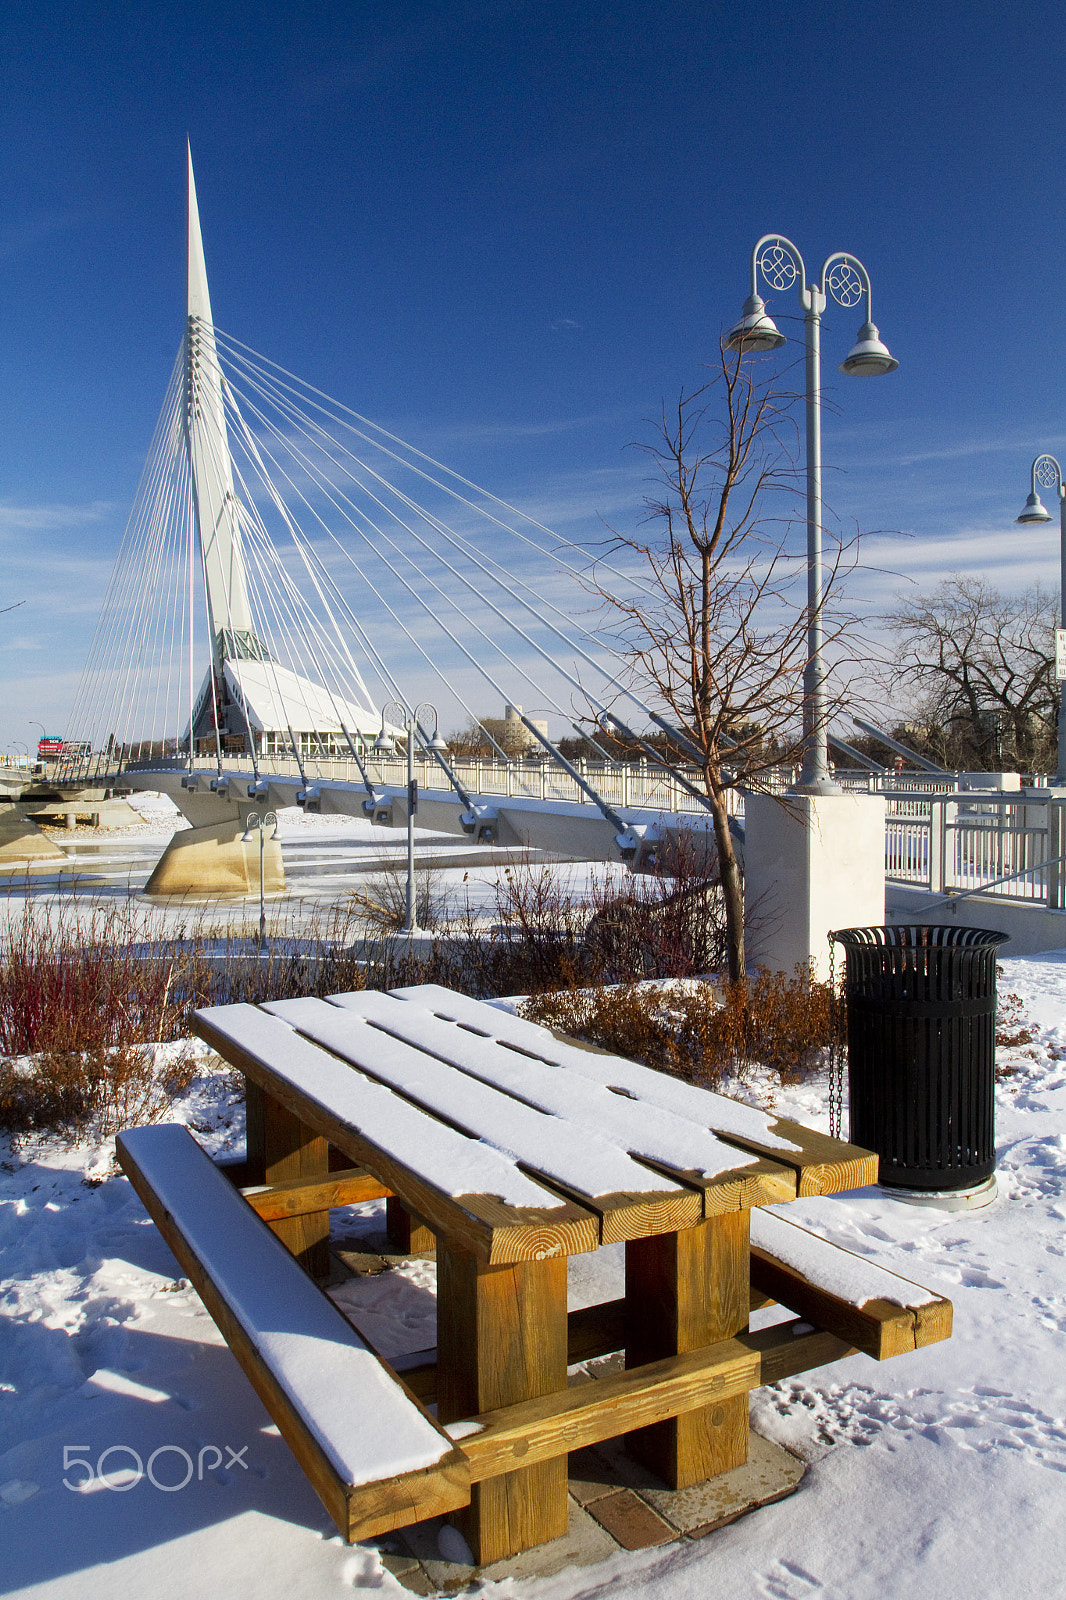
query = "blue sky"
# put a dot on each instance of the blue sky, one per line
(509, 231)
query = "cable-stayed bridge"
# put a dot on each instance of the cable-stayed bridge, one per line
(289, 572)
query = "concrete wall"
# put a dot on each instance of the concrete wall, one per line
(1032, 928)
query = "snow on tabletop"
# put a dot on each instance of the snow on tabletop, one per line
(847, 1276)
(700, 1106)
(573, 1154)
(364, 1421)
(632, 1125)
(451, 1162)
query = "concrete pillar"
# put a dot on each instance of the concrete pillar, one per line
(811, 863)
(217, 860)
(22, 842)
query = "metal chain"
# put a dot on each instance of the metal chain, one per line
(836, 1053)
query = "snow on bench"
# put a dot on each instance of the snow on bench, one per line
(375, 1457)
(872, 1308)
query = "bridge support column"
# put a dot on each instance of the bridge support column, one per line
(216, 859)
(22, 844)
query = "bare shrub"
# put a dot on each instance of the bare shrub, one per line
(86, 993)
(669, 1027)
(701, 1032)
(383, 902)
(667, 923)
(64, 1091)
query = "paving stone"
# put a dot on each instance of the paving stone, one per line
(592, 1474)
(584, 1544)
(606, 1366)
(416, 1581)
(625, 1470)
(769, 1474)
(398, 1563)
(631, 1521)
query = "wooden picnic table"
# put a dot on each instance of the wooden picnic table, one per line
(517, 1149)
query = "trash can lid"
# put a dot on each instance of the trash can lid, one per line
(917, 935)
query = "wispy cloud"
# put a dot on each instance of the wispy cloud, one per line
(462, 433)
(980, 447)
(51, 516)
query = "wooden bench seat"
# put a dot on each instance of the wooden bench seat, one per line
(375, 1456)
(871, 1308)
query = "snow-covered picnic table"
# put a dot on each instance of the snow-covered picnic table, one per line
(515, 1149)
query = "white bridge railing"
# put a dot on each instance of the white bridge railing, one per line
(1006, 848)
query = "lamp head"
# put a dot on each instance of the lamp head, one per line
(1034, 510)
(438, 744)
(384, 744)
(869, 358)
(756, 332)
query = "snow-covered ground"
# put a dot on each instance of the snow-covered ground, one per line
(942, 1472)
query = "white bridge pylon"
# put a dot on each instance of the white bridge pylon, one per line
(281, 545)
(207, 442)
(245, 690)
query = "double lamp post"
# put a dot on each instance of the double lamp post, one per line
(845, 278)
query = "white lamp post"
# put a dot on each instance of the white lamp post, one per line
(1047, 473)
(385, 744)
(847, 280)
(251, 822)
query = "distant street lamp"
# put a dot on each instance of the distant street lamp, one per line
(848, 282)
(252, 822)
(1048, 474)
(385, 744)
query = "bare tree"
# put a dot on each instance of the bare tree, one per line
(718, 635)
(488, 735)
(975, 665)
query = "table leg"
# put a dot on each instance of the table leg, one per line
(407, 1233)
(685, 1290)
(501, 1338)
(281, 1146)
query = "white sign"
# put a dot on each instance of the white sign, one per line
(1060, 655)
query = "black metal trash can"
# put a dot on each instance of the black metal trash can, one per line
(921, 1022)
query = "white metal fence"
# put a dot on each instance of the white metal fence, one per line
(1006, 847)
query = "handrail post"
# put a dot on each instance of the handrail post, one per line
(937, 846)
(1056, 847)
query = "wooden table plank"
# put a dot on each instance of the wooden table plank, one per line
(299, 1197)
(540, 1430)
(822, 1165)
(572, 1157)
(675, 1146)
(413, 1154)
